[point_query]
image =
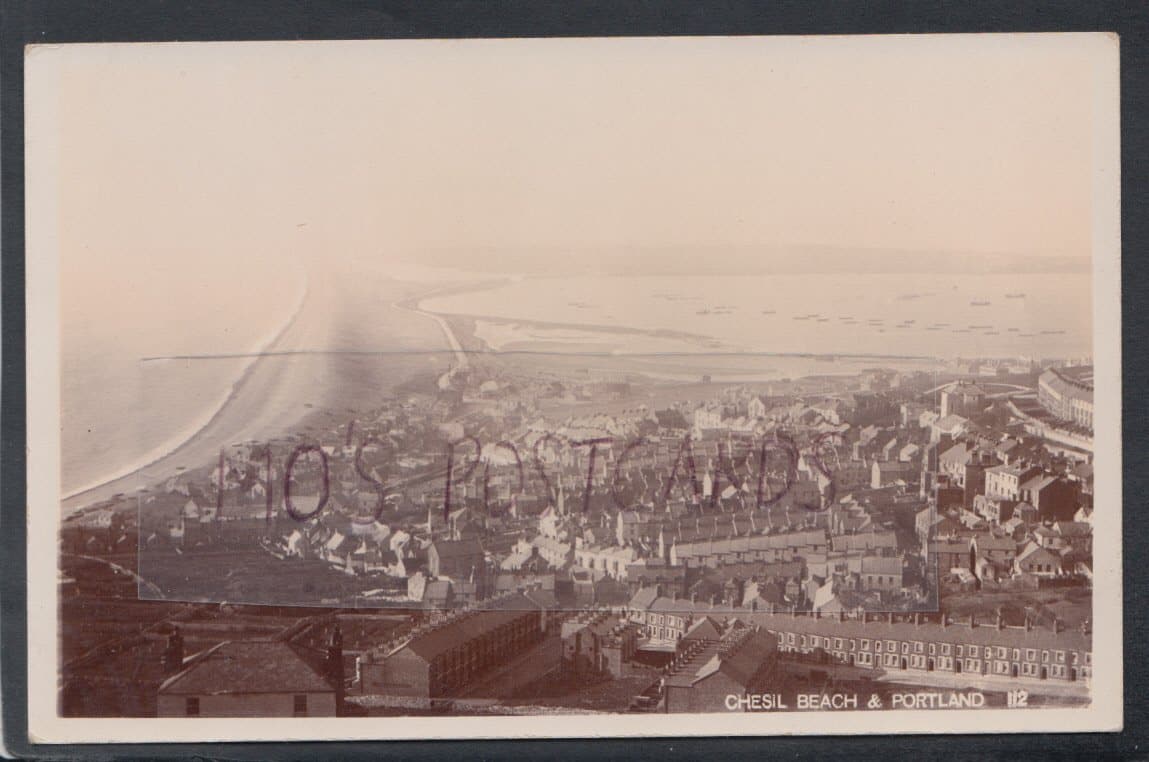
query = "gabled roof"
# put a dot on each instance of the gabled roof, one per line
(1073, 528)
(1034, 552)
(739, 655)
(881, 565)
(464, 628)
(705, 628)
(993, 542)
(950, 422)
(1083, 471)
(254, 666)
(457, 548)
(642, 599)
(544, 599)
(958, 454)
(1038, 482)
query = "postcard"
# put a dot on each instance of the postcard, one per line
(573, 387)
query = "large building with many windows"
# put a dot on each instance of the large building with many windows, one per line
(1067, 393)
(439, 659)
(923, 646)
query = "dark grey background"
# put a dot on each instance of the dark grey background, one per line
(48, 21)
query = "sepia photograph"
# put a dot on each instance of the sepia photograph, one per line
(574, 387)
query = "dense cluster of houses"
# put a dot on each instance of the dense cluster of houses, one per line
(782, 499)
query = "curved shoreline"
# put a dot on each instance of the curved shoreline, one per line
(201, 423)
(702, 340)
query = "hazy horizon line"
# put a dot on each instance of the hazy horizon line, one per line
(645, 260)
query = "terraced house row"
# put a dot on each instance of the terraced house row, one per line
(914, 644)
(970, 647)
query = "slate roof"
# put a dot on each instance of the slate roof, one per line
(982, 635)
(992, 542)
(891, 565)
(705, 628)
(1073, 528)
(458, 548)
(251, 666)
(468, 626)
(739, 655)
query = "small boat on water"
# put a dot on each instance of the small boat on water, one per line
(1017, 295)
(979, 303)
(768, 312)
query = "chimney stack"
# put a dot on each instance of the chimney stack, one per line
(173, 657)
(334, 666)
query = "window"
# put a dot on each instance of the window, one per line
(946, 649)
(300, 708)
(191, 706)
(865, 644)
(1001, 652)
(1060, 657)
(1030, 654)
(1045, 657)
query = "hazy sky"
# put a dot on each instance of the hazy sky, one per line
(240, 152)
